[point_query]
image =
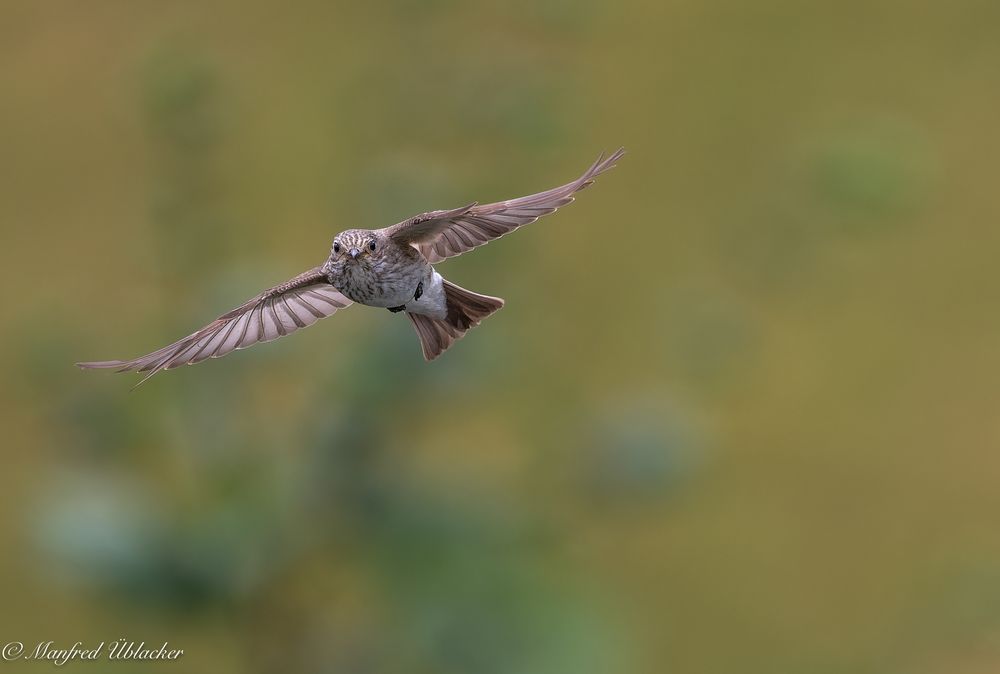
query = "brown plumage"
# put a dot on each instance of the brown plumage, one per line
(389, 268)
(466, 310)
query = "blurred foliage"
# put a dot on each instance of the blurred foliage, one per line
(737, 414)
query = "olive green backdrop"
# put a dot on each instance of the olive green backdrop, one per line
(738, 415)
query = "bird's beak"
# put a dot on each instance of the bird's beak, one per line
(354, 252)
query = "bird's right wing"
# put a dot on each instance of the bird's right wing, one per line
(274, 313)
(443, 234)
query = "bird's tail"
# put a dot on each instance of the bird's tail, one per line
(466, 310)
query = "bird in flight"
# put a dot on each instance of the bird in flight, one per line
(390, 268)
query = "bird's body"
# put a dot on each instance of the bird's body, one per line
(386, 277)
(390, 268)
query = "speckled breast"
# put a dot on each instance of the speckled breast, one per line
(378, 285)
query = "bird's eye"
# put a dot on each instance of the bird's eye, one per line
(371, 245)
(336, 246)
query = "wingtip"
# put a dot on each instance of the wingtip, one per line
(99, 364)
(605, 164)
(601, 165)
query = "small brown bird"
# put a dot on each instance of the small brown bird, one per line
(389, 268)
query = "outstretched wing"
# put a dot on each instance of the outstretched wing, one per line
(274, 313)
(443, 234)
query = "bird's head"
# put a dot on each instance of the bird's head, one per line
(356, 246)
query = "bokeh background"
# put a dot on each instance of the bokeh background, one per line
(738, 415)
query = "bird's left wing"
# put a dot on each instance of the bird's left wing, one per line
(276, 312)
(443, 234)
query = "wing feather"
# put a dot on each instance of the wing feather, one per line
(276, 312)
(442, 234)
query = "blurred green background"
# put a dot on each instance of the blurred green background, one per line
(738, 415)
